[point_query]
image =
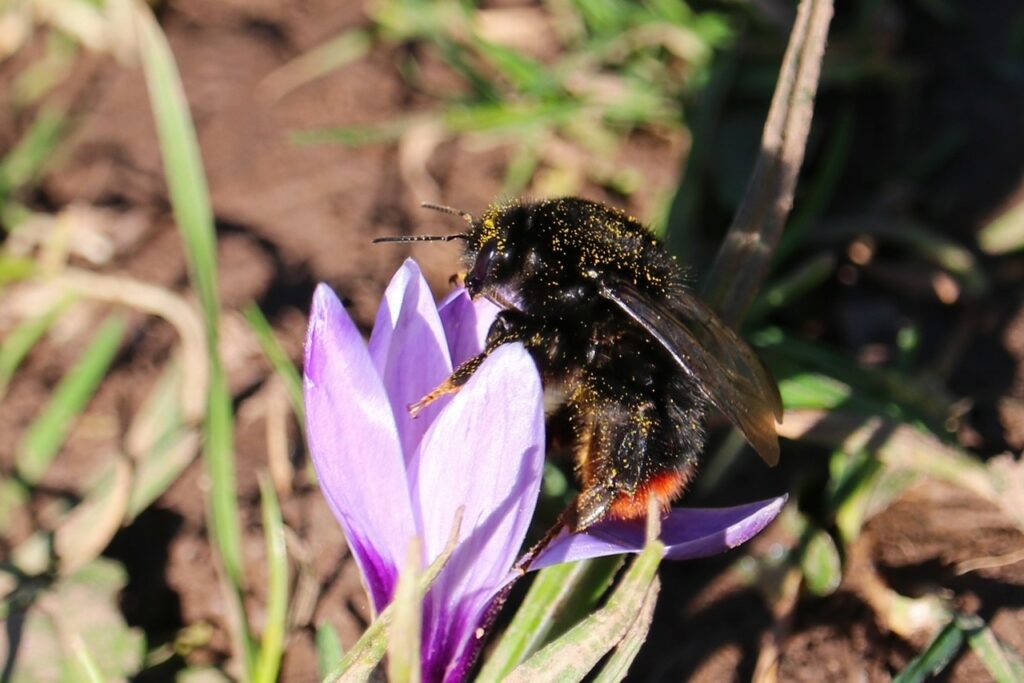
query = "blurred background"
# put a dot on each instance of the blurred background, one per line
(893, 316)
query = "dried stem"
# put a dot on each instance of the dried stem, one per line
(742, 262)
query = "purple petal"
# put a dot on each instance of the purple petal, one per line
(687, 532)
(410, 352)
(484, 453)
(466, 323)
(354, 445)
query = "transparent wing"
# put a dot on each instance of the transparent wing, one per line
(728, 372)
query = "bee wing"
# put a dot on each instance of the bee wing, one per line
(730, 375)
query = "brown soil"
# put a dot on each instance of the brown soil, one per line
(290, 216)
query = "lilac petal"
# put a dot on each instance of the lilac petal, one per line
(355, 447)
(688, 533)
(410, 352)
(484, 453)
(466, 323)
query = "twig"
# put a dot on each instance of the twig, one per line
(742, 262)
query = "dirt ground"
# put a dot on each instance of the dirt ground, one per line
(290, 216)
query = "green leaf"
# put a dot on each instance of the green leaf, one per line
(84, 606)
(557, 596)
(876, 390)
(575, 654)
(406, 631)
(820, 563)
(328, 648)
(510, 117)
(1004, 665)
(88, 669)
(47, 433)
(1005, 233)
(852, 479)
(268, 660)
(934, 659)
(795, 283)
(629, 647)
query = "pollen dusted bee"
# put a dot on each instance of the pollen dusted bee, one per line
(604, 311)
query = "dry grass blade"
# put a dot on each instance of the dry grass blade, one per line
(157, 301)
(743, 260)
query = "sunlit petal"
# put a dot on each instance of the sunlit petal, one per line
(466, 323)
(485, 453)
(408, 348)
(354, 445)
(687, 533)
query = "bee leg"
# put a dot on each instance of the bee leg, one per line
(450, 385)
(589, 508)
(505, 329)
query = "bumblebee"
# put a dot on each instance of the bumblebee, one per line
(605, 313)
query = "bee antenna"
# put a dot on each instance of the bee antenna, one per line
(422, 238)
(464, 215)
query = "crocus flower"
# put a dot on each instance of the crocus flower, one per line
(389, 478)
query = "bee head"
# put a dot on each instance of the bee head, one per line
(492, 254)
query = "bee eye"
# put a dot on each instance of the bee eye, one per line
(485, 261)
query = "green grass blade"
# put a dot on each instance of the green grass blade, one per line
(328, 648)
(1005, 233)
(162, 445)
(161, 467)
(25, 163)
(1004, 665)
(47, 433)
(319, 61)
(575, 654)
(406, 632)
(21, 339)
(618, 664)
(190, 202)
(934, 659)
(852, 479)
(820, 563)
(88, 671)
(357, 136)
(283, 365)
(268, 662)
(14, 268)
(919, 396)
(553, 591)
(527, 75)
(822, 189)
(799, 281)
(183, 166)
